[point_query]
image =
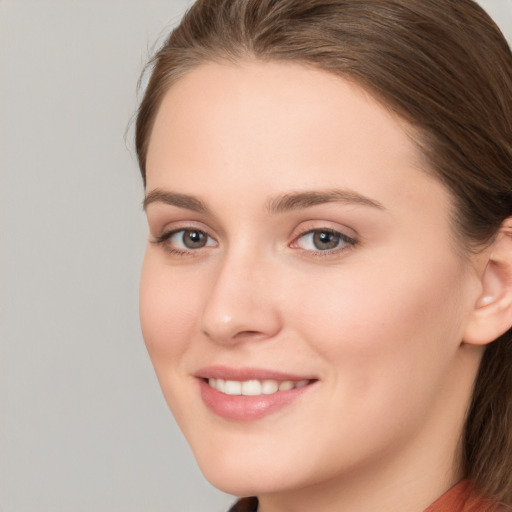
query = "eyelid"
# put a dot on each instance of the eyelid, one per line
(322, 224)
(171, 233)
(163, 229)
(347, 241)
(310, 228)
(167, 233)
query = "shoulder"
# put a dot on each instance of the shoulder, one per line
(463, 498)
(245, 505)
(460, 498)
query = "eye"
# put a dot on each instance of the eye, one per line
(190, 239)
(323, 240)
(185, 240)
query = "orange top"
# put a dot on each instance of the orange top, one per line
(459, 498)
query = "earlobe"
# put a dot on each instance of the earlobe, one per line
(492, 314)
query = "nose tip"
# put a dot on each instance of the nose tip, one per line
(239, 327)
(240, 309)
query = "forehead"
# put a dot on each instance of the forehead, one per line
(258, 129)
(255, 104)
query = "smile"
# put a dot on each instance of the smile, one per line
(255, 387)
(247, 394)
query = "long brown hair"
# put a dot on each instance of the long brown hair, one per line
(445, 67)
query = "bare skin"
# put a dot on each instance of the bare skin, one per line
(294, 227)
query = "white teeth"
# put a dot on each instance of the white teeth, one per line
(285, 385)
(233, 387)
(251, 387)
(268, 387)
(255, 387)
(221, 385)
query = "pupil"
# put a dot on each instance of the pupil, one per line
(194, 239)
(325, 240)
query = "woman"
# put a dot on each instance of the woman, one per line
(327, 292)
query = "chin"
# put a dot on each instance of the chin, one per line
(244, 481)
(242, 473)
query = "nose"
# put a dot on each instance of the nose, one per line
(242, 304)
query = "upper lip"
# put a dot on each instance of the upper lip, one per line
(248, 373)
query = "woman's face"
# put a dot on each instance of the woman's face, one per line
(302, 297)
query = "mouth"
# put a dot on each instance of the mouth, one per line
(249, 394)
(255, 387)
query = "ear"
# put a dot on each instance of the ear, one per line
(492, 314)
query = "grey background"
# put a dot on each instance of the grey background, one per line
(83, 426)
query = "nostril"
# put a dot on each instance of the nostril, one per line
(248, 334)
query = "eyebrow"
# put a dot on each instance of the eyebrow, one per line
(307, 199)
(174, 199)
(279, 204)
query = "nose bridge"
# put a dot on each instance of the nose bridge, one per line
(240, 305)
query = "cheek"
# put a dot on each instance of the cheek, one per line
(390, 337)
(168, 311)
(385, 326)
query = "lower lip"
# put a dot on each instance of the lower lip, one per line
(248, 408)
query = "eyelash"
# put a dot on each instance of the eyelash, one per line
(347, 242)
(164, 238)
